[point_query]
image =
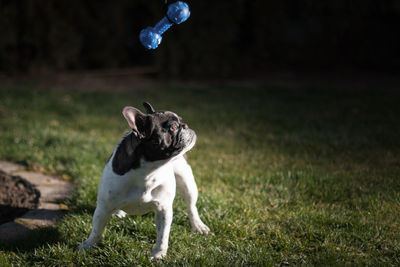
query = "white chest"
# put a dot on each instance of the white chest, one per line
(140, 190)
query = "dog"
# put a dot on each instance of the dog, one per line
(143, 173)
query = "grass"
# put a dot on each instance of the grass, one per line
(286, 176)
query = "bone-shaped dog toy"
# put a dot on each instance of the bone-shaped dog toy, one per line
(177, 13)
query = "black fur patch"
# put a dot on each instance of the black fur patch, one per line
(126, 156)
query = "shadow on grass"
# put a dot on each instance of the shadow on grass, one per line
(84, 209)
(35, 239)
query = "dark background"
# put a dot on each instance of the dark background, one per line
(224, 38)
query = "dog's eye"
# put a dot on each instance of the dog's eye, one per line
(174, 127)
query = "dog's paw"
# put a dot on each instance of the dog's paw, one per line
(81, 248)
(84, 246)
(200, 227)
(158, 254)
(120, 213)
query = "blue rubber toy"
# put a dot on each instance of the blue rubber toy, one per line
(177, 13)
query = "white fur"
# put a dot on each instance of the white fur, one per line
(150, 187)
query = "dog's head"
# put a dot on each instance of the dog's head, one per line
(161, 134)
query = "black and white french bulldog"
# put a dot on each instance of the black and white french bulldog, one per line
(143, 173)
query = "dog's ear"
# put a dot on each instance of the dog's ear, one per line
(136, 119)
(148, 107)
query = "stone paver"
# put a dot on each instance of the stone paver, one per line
(10, 167)
(52, 189)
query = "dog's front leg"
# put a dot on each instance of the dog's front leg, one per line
(163, 223)
(188, 188)
(100, 219)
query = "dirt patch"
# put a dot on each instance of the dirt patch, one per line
(29, 200)
(17, 196)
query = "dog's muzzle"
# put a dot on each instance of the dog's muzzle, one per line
(188, 138)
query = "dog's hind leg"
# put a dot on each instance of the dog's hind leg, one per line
(100, 219)
(188, 189)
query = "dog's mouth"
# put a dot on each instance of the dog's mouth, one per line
(189, 140)
(192, 142)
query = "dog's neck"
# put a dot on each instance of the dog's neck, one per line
(128, 155)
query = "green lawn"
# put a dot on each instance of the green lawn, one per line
(286, 176)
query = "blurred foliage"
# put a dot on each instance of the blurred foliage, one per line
(222, 38)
